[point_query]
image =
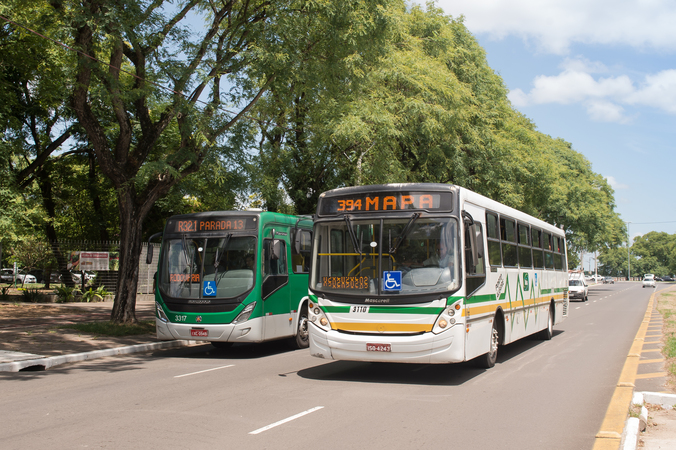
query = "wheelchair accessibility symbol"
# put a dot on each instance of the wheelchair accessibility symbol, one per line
(209, 289)
(392, 281)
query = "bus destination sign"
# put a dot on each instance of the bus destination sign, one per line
(211, 224)
(386, 201)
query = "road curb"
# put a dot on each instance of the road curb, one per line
(51, 361)
(635, 425)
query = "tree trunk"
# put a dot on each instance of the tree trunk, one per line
(124, 306)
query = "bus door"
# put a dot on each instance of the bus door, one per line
(275, 290)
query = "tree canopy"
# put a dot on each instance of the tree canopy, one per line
(161, 107)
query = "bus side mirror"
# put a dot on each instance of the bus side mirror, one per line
(296, 242)
(473, 245)
(274, 250)
(149, 256)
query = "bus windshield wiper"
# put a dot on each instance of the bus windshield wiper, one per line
(352, 235)
(188, 262)
(219, 252)
(407, 229)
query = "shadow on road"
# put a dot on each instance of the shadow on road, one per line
(423, 374)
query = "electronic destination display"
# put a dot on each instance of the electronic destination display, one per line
(211, 224)
(386, 201)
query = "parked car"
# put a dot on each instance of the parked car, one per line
(7, 276)
(608, 280)
(667, 278)
(577, 288)
(24, 277)
(77, 276)
(649, 281)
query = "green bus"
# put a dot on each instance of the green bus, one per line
(233, 276)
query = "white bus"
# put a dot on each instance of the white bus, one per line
(430, 273)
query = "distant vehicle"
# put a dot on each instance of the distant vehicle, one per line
(658, 278)
(608, 280)
(577, 288)
(649, 280)
(7, 276)
(77, 276)
(25, 278)
(667, 278)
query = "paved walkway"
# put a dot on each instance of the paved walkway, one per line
(34, 338)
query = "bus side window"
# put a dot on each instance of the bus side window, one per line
(538, 258)
(508, 236)
(474, 274)
(273, 266)
(493, 230)
(300, 262)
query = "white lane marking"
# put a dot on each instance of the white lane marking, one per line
(288, 419)
(202, 371)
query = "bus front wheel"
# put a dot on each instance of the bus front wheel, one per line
(302, 334)
(488, 360)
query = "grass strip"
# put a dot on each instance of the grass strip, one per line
(114, 329)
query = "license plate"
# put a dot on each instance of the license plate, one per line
(378, 347)
(199, 333)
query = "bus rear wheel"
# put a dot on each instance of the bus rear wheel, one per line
(548, 332)
(488, 360)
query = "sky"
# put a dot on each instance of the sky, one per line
(601, 75)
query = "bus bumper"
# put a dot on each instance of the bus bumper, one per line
(249, 331)
(427, 348)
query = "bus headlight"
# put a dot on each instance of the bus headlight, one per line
(160, 313)
(447, 318)
(245, 314)
(317, 317)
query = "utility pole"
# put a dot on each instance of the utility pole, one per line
(628, 258)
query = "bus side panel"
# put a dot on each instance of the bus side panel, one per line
(281, 309)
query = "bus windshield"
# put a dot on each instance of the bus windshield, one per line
(226, 262)
(392, 256)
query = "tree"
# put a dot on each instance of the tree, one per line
(149, 94)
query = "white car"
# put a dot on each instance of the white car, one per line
(649, 281)
(577, 288)
(25, 278)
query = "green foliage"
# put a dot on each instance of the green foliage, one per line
(66, 294)
(91, 295)
(31, 295)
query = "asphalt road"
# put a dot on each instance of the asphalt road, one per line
(540, 395)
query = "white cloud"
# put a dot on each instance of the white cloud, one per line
(658, 91)
(615, 184)
(554, 25)
(602, 97)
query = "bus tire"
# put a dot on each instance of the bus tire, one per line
(548, 332)
(487, 360)
(221, 345)
(302, 334)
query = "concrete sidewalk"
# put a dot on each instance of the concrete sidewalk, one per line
(31, 337)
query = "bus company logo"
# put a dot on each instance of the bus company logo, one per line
(199, 302)
(199, 319)
(377, 300)
(499, 286)
(526, 285)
